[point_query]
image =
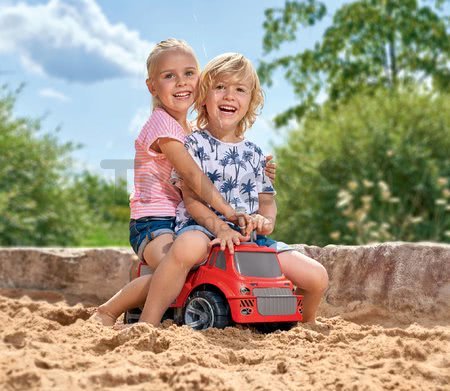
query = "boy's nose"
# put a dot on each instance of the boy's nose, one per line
(228, 94)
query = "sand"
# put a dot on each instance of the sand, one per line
(47, 343)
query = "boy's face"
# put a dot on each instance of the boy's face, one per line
(175, 81)
(227, 103)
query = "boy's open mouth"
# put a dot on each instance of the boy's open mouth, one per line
(227, 109)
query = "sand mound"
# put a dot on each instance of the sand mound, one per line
(52, 346)
(385, 325)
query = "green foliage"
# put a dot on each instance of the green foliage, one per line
(37, 204)
(370, 44)
(376, 168)
(42, 202)
(111, 212)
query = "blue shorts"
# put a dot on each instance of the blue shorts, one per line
(145, 229)
(261, 240)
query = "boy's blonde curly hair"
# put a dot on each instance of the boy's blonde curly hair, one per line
(232, 66)
(161, 47)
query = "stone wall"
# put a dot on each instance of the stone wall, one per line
(398, 277)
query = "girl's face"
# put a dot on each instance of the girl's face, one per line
(174, 81)
(227, 103)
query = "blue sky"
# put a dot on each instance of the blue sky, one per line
(83, 62)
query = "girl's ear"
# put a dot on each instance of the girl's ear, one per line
(151, 87)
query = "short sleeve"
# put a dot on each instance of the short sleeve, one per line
(159, 125)
(263, 182)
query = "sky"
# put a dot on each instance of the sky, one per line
(83, 64)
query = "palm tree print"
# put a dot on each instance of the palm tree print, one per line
(235, 201)
(214, 144)
(247, 188)
(235, 159)
(214, 176)
(202, 155)
(227, 187)
(223, 162)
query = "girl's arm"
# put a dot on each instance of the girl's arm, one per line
(225, 236)
(271, 168)
(194, 177)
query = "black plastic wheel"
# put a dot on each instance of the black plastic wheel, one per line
(132, 316)
(206, 309)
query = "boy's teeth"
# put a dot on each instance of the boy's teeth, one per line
(227, 108)
(183, 95)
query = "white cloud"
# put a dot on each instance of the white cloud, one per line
(51, 93)
(138, 120)
(71, 40)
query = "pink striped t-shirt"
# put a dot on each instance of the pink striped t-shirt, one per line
(153, 194)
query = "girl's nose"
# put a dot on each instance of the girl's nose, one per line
(181, 81)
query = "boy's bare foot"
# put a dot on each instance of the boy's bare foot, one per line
(103, 317)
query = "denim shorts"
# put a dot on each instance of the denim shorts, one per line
(145, 229)
(261, 240)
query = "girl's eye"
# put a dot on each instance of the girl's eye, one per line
(190, 73)
(220, 87)
(242, 90)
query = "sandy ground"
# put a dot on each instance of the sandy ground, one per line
(45, 343)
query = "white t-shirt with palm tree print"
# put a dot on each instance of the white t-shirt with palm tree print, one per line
(236, 169)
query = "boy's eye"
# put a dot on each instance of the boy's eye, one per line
(190, 73)
(168, 76)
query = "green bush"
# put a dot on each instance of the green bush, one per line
(108, 203)
(37, 203)
(375, 168)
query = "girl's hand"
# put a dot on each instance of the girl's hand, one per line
(228, 237)
(262, 224)
(271, 168)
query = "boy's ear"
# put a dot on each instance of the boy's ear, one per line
(150, 87)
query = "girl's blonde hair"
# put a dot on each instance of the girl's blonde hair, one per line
(161, 47)
(236, 67)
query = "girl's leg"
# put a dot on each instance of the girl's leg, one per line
(189, 249)
(135, 292)
(309, 276)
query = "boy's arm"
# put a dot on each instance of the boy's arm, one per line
(265, 219)
(204, 216)
(194, 177)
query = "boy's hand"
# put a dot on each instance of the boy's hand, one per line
(262, 224)
(228, 237)
(242, 220)
(271, 168)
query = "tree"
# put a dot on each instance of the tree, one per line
(376, 169)
(110, 210)
(370, 44)
(38, 206)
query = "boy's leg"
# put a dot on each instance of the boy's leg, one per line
(189, 249)
(135, 292)
(308, 275)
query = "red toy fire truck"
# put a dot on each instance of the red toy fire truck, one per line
(246, 287)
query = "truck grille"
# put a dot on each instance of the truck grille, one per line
(275, 301)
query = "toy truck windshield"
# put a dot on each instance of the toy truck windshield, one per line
(257, 264)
